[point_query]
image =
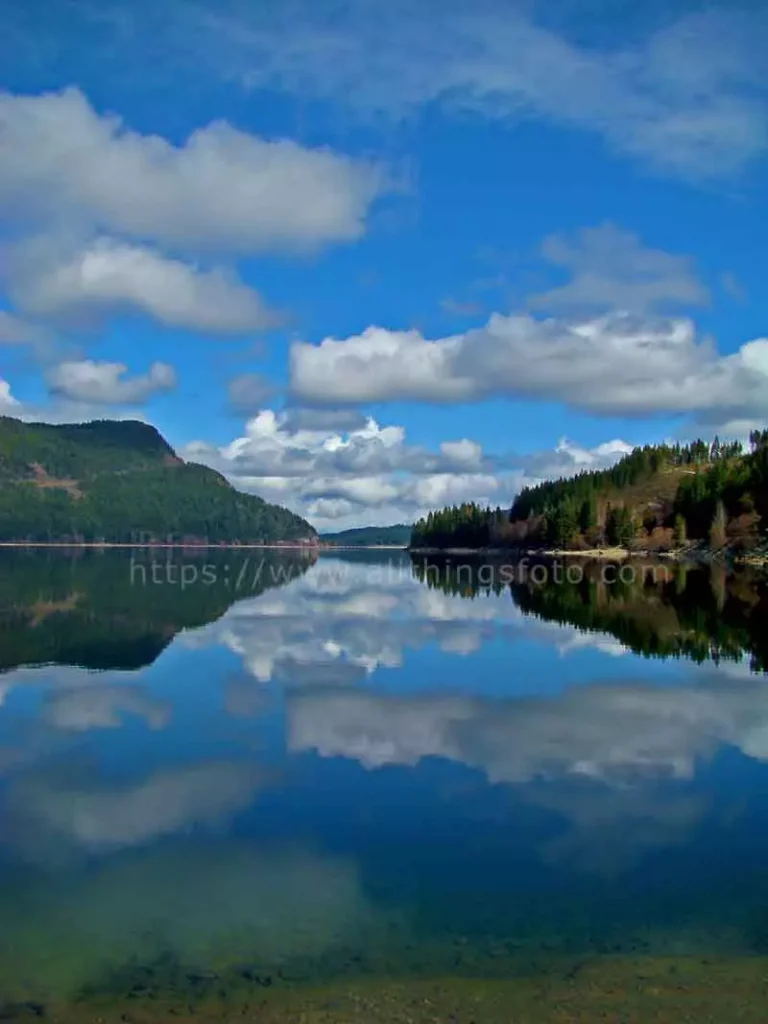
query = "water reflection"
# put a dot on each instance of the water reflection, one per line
(362, 767)
(118, 610)
(619, 732)
(659, 609)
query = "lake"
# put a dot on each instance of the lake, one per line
(250, 785)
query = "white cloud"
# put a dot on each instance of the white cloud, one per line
(611, 269)
(61, 162)
(370, 474)
(103, 220)
(617, 364)
(684, 90)
(107, 384)
(9, 406)
(463, 453)
(689, 98)
(377, 365)
(110, 276)
(440, 489)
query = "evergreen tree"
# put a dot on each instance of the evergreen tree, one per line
(588, 514)
(681, 530)
(717, 531)
(620, 527)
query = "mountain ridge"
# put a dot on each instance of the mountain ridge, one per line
(397, 535)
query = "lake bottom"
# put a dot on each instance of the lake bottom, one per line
(625, 989)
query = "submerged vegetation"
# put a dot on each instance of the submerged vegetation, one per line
(657, 498)
(667, 990)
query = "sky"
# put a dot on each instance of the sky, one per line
(368, 259)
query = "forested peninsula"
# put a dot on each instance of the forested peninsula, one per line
(369, 537)
(701, 497)
(120, 482)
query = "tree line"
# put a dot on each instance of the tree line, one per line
(657, 496)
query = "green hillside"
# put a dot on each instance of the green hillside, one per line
(657, 498)
(121, 482)
(370, 536)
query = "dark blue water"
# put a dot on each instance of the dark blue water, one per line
(345, 770)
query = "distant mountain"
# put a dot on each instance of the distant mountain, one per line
(370, 536)
(121, 482)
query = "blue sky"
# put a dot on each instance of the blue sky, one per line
(367, 259)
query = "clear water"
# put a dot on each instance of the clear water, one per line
(289, 769)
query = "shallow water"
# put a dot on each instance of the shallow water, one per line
(241, 774)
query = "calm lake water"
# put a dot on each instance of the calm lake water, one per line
(262, 771)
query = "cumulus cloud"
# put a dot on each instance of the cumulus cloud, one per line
(340, 471)
(108, 276)
(222, 189)
(106, 383)
(103, 219)
(377, 365)
(9, 406)
(612, 269)
(620, 364)
(464, 452)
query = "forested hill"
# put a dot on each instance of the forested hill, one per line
(121, 482)
(657, 498)
(370, 536)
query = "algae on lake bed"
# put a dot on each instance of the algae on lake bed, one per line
(664, 990)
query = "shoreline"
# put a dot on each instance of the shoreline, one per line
(91, 545)
(363, 547)
(126, 545)
(757, 559)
